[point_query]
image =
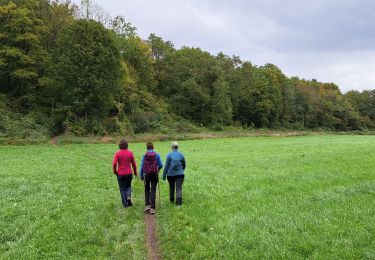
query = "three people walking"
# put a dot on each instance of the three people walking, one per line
(124, 166)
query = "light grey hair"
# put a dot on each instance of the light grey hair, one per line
(174, 145)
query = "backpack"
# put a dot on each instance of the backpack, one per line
(150, 165)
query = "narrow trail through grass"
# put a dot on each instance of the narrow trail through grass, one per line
(255, 197)
(152, 240)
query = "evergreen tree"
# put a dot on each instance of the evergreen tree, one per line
(87, 71)
(21, 54)
(221, 105)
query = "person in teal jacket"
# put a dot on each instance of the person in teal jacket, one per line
(175, 165)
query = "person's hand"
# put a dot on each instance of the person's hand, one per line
(115, 173)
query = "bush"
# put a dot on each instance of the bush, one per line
(146, 121)
(114, 126)
(20, 126)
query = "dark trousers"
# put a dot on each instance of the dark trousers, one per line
(125, 184)
(151, 181)
(175, 183)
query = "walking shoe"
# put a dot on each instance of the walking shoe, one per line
(152, 211)
(129, 202)
(147, 208)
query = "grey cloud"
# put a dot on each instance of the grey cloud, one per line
(313, 25)
(329, 40)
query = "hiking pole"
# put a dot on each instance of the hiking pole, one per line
(159, 192)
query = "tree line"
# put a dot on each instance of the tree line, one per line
(72, 69)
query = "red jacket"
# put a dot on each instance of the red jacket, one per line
(122, 161)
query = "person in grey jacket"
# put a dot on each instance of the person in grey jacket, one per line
(174, 171)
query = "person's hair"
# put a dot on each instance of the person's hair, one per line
(174, 145)
(123, 144)
(150, 146)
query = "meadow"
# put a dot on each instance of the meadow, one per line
(244, 198)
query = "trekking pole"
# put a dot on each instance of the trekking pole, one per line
(159, 192)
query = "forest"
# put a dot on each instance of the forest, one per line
(73, 69)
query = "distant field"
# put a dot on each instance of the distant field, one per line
(269, 197)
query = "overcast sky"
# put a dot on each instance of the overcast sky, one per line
(330, 40)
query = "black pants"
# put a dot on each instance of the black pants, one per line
(175, 183)
(125, 184)
(151, 181)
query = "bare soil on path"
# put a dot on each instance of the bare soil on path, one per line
(54, 141)
(151, 237)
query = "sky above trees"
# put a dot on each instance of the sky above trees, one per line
(329, 40)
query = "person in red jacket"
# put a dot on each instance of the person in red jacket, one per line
(123, 162)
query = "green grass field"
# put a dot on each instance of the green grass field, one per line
(256, 197)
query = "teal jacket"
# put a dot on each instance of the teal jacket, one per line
(174, 164)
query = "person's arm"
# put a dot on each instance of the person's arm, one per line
(183, 162)
(134, 165)
(141, 169)
(114, 164)
(160, 163)
(167, 162)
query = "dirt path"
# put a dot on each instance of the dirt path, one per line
(54, 141)
(151, 238)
